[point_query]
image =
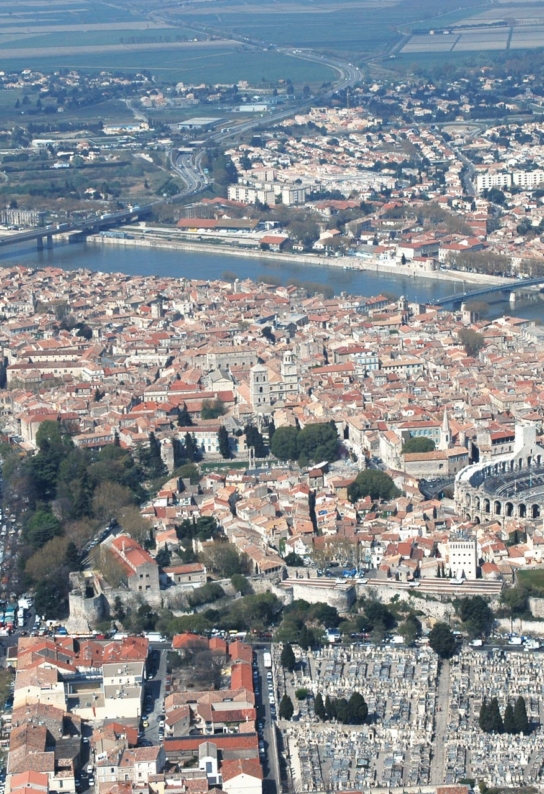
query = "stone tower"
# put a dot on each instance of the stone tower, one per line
(289, 369)
(445, 432)
(259, 388)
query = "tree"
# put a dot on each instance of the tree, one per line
(476, 615)
(521, 721)
(494, 719)
(418, 444)
(410, 629)
(483, 719)
(162, 557)
(471, 340)
(301, 693)
(357, 709)
(41, 527)
(51, 598)
(225, 560)
(293, 559)
(341, 708)
(134, 524)
(184, 417)
(374, 483)
(191, 447)
(329, 708)
(403, 259)
(212, 410)
(110, 498)
(223, 439)
(241, 584)
(317, 442)
(509, 719)
(48, 561)
(442, 640)
(287, 658)
(319, 707)
(72, 559)
(286, 708)
(284, 443)
(254, 439)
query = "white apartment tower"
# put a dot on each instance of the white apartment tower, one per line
(463, 554)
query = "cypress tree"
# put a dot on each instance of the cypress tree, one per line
(509, 721)
(184, 417)
(286, 708)
(483, 719)
(495, 719)
(319, 707)
(287, 658)
(521, 721)
(328, 708)
(223, 438)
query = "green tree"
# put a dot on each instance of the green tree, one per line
(317, 442)
(410, 630)
(293, 559)
(483, 719)
(521, 721)
(41, 527)
(286, 708)
(212, 410)
(509, 719)
(374, 483)
(301, 693)
(184, 417)
(329, 708)
(442, 640)
(287, 658)
(341, 708)
(357, 709)
(163, 557)
(476, 615)
(319, 707)
(223, 438)
(418, 444)
(494, 718)
(254, 439)
(284, 443)
(72, 559)
(51, 598)
(471, 340)
(191, 447)
(241, 584)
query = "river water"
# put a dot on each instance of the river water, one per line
(188, 264)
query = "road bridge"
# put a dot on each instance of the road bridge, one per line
(89, 225)
(457, 300)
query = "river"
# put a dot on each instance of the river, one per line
(188, 264)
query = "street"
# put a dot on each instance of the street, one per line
(270, 761)
(154, 694)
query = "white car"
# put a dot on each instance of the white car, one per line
(271, 700)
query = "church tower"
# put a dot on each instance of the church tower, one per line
(445, 432)
(289, 369)
(259, 388)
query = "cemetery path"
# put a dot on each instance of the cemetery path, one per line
(440, 725)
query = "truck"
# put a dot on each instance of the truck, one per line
(515, 641)
(154, 636)
(267, 660)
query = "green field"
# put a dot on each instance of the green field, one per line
(86, 39)
(199, 64)
(532, 580)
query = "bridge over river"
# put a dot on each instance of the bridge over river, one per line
(90, 225)
(506, 290)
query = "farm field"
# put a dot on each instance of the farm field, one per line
(222, 64)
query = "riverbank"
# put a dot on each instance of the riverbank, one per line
(341, 262)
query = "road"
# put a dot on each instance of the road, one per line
(154, 693)
(271, 766)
